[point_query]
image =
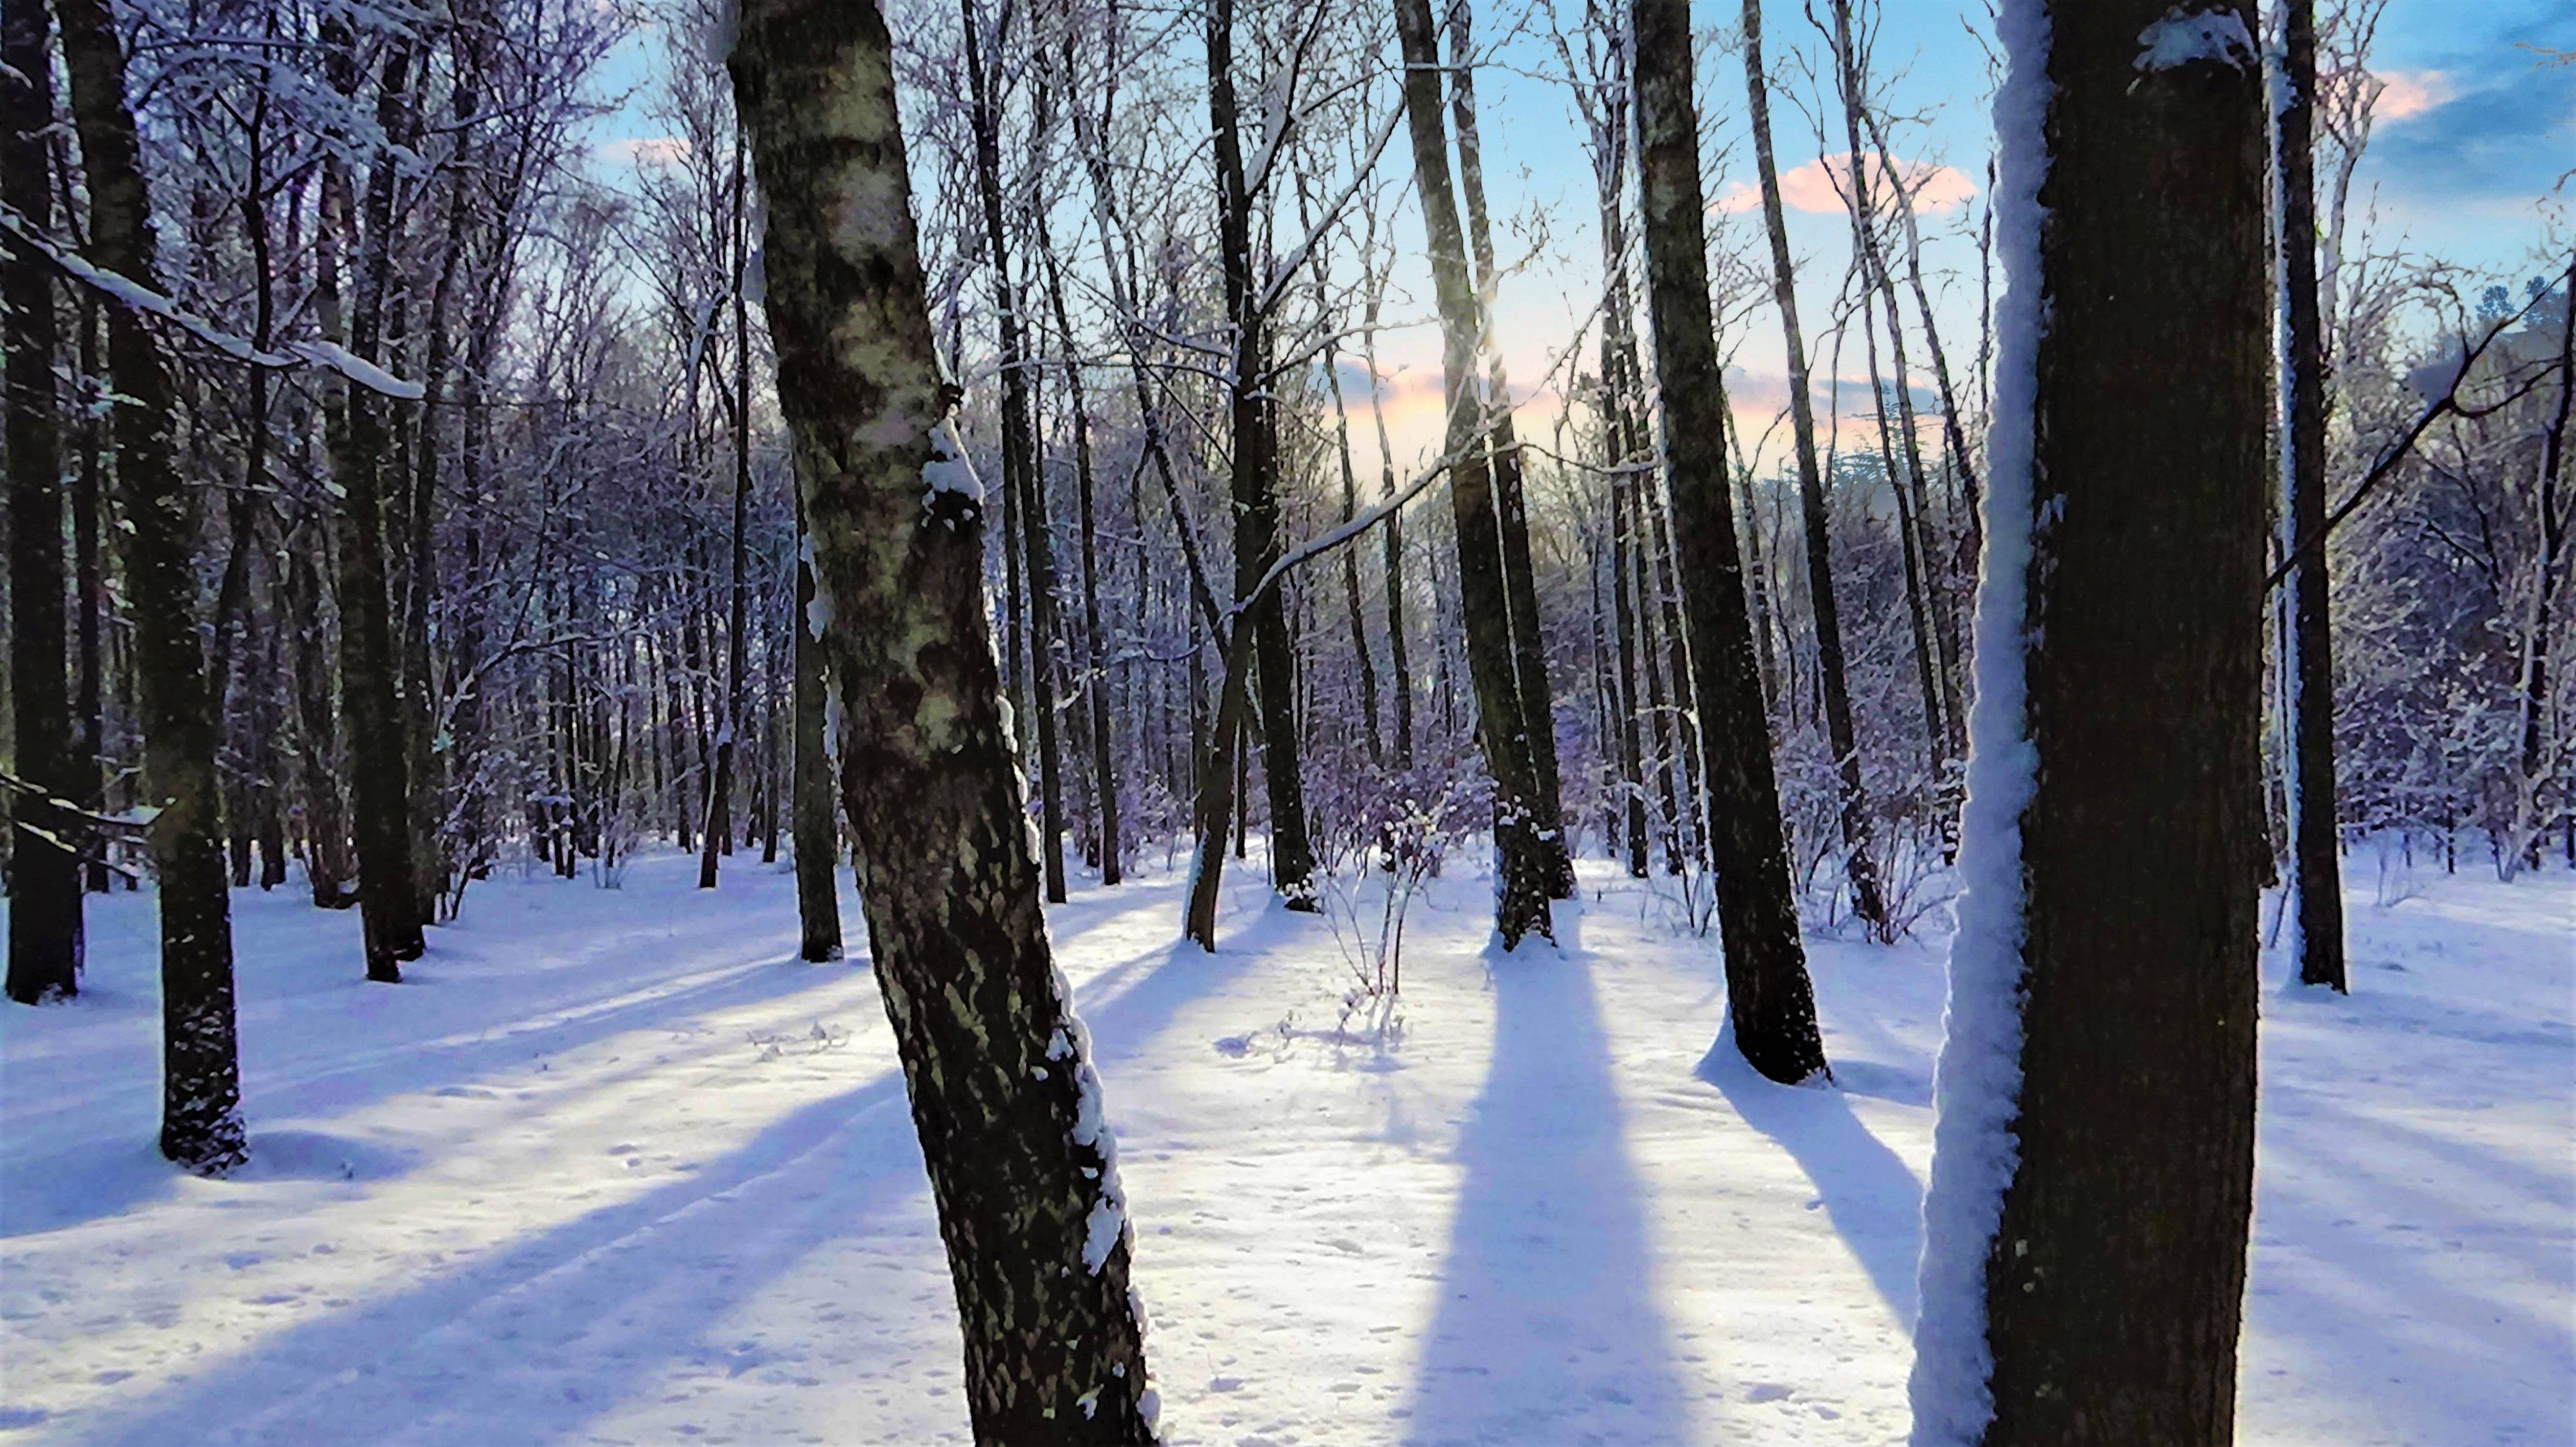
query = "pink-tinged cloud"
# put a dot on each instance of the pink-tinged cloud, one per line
(651, 152)
(2405, 93)
(1818, 186)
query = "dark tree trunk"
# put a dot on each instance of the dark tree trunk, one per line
(738, 604)
(2534, 703)
(328, 867)
(1852, 799)
(1935, 652)
(1096, 686)
(379, 766)
(1255, 461)
(201, 1124)
(45, 935)
(2130, 548)
(815, 823)
(1769, 1000)
(1527, 876)
(1623, 548)
(89, 590)
(1004, 1096)
(1023, 489)
(1398, 655)
(2316, 870)
(1520, 578)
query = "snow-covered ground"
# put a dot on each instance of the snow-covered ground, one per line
(613, 1167)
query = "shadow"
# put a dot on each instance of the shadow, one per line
(1547, 1328)
(539, 1338)
(318, 1047)
(1867, 1191)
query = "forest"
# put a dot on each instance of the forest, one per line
(613, 605)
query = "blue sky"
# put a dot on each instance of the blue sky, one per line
(2475, 130)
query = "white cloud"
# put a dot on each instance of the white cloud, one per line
(1818, 186)
(648, 151)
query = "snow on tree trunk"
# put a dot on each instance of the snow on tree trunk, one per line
(2085, 1226)
(1007, 1105)
(1769, 999)
(201, 1124)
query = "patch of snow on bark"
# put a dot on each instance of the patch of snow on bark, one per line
(2180, 38)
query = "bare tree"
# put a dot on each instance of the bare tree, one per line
(1003, 1091)
(1770, 1003)
(2093, 1161)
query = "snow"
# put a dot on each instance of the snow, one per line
(595, 1175)
(2180, 37)
(1978, 1084)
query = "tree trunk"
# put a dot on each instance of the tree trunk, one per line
(1104, 773)
(1004, 1096)
(1520, 578)
(738, 608)
(1852, 800)
(378, 766)
(816, 826)
(2316, 871)
(1769, 1001)
(2533, 706)
(1022, 489)
(1526, 875)
(201, 1123)
(1255, 438)
(328, 867)
(45, 934)
(89, 588)
(2100, 1067)
(1399, 661)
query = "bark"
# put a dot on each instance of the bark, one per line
(45, 926)
(1526, 874)
(201, 1123)
(1851, 798)
(1096, 687)
(2113, 1315)
(2534, 702)
(738, 614)
(1004, 1097)
(1360, 651)
(2307, 665)
(89, 589)
(1255, 464)
(1623, 548)
(1520, 579)
(1769, 1000)
(328, 866)
(379, 767)
(1935, 651)
(1399, 661)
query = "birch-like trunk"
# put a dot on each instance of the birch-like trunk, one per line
(1004, 1096)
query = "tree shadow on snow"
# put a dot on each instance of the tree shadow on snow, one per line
(540, 1338)
(1866, 1189)
(1547, 1328)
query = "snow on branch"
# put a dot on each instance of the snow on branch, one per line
(133, 295)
